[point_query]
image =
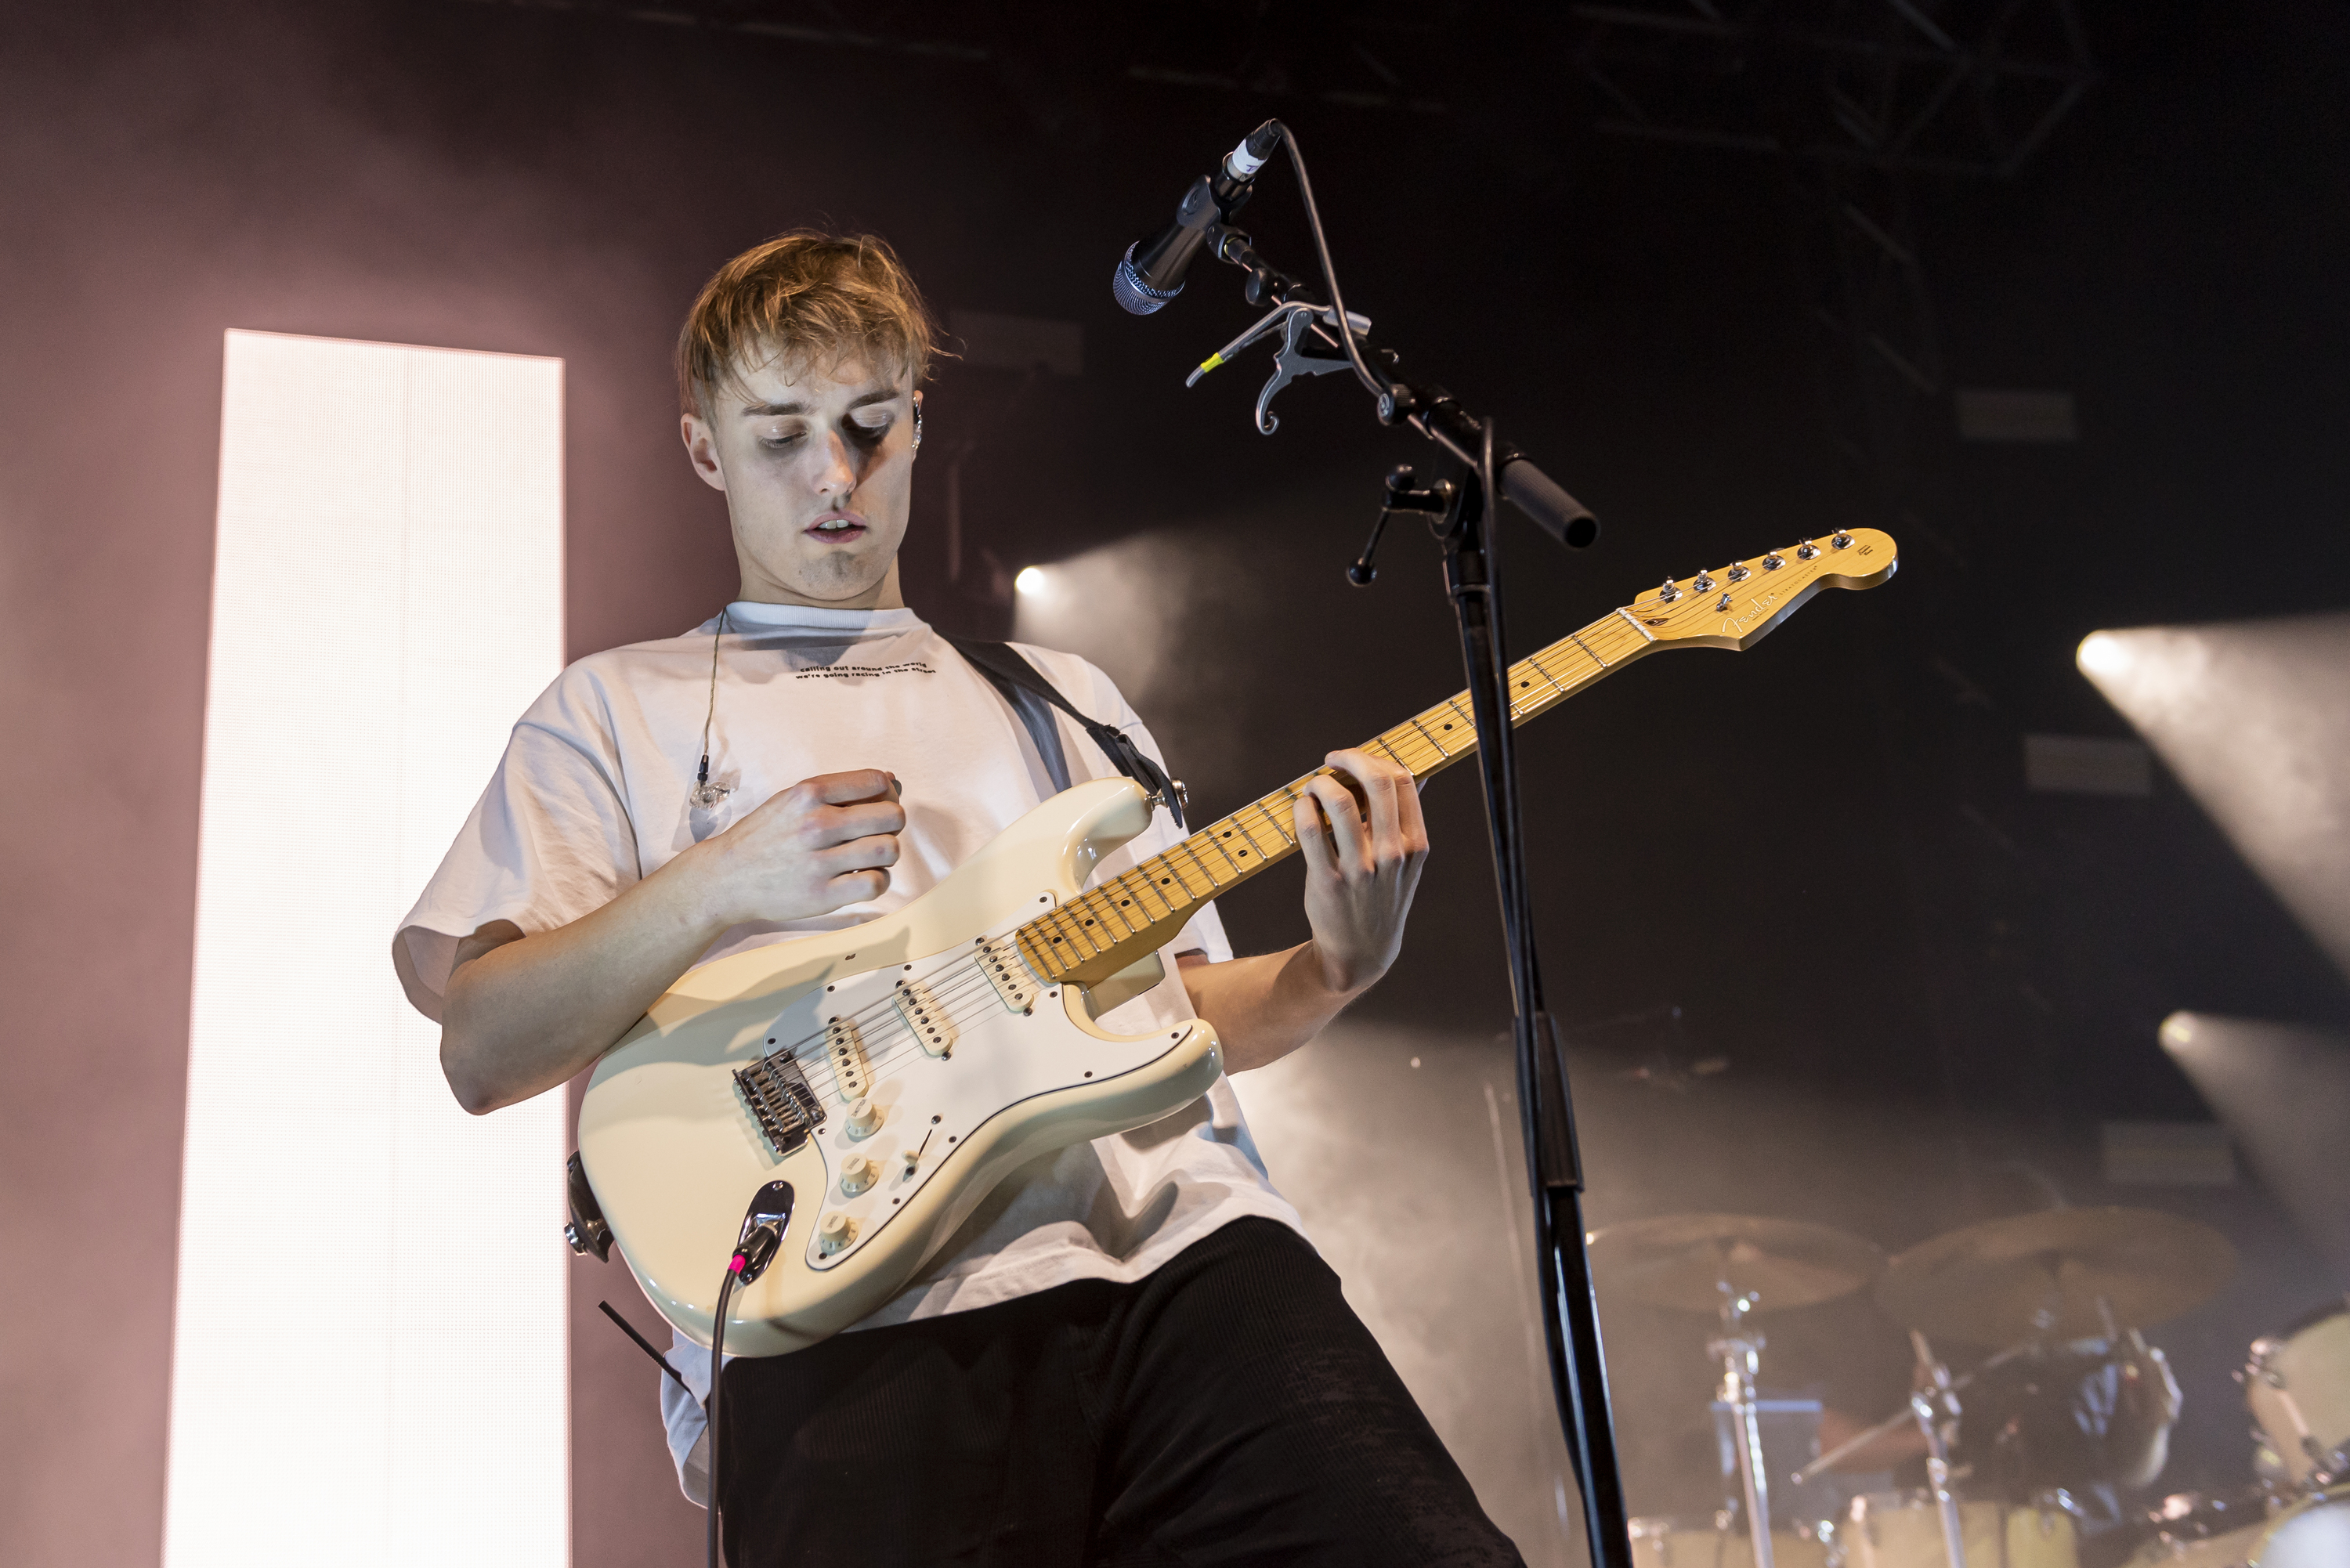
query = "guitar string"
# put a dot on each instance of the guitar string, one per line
(957, 983)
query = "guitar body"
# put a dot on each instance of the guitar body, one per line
(676, 1151)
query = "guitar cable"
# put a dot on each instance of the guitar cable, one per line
(763, 1236)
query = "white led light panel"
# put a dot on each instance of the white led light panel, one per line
(370, 1360)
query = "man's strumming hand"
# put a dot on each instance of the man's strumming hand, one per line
(825, 842)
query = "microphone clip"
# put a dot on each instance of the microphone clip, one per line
(1295, 319)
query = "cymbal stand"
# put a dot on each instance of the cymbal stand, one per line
(1937, 1411)
(1740, 1352)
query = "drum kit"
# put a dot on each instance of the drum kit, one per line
(2068, 1292)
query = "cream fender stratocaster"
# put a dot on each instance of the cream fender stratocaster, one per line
(891, 1073)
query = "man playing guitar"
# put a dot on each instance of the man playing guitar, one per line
(1130, 1354)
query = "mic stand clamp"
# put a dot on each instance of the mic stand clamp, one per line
(1435, 503)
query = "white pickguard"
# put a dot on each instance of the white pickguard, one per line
(675, 1153)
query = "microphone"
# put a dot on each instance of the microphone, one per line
(1152, 271)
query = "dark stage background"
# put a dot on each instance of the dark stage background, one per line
(1930, 972)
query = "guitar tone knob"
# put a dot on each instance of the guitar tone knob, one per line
(837, 1231)
(864, 1118)
(857, 1174)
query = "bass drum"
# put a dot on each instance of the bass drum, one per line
(1686, 1543)
(2297, 1386)
(1904, 1529)
(2313, 1533)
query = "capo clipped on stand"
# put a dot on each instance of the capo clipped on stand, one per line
(1295, 319)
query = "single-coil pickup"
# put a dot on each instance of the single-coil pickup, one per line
(778, 1095)
(1009, 975)
(933, 1030)
(851, 1074)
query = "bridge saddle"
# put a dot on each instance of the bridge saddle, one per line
(779, 1095)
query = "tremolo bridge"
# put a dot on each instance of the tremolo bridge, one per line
(779, 1095)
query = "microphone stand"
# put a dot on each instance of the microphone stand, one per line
(1463, 515)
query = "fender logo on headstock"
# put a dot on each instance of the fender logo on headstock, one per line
(1736, 625)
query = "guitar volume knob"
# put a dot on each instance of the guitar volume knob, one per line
(857, 1174)
(864, 1118)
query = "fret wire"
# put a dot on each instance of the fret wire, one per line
(1430, 739)
(1577, 638)
(1279, 839)
(1112, 906)
(1073, 933)
(1468, 719)
(1215, 842)
(1147, 886)
(1287, 837)
(1212, 884)
(1381, 741)
(1077, 929)
(1547, 676)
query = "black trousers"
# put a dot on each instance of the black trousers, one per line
(1229, 1409)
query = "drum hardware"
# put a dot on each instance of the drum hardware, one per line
(2297, 1386)
(1936, 1408)
(2312, 1531)
(1740, 1353)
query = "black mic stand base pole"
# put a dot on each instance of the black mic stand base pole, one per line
(1577, 1360)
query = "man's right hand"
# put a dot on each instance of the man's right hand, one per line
(522, 1013)
(825, 842)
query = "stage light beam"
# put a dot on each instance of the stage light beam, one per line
(1032, 581)
(2101, 653)
(2253, 719)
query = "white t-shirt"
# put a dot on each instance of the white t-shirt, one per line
(592, 796)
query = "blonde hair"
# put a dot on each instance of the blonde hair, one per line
(807, 295)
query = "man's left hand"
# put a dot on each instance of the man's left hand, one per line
(1362, 864)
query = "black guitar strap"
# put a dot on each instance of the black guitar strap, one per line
(1024, 687)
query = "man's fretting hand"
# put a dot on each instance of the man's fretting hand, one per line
(823, 842)
(1361, 867)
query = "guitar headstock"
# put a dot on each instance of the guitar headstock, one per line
(1734, 606)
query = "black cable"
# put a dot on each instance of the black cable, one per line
(711, 1555)
(1371, 384)
(644, 1344)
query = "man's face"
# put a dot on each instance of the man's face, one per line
(818, 467)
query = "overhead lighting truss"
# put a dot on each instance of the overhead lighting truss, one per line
(1912, 86)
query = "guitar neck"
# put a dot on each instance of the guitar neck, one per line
(1107, 928)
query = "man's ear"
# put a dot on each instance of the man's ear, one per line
(702, 449)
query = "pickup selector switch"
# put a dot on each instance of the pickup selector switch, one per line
(864, 1118)
(857, 1174)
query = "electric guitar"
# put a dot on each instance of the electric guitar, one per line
(869, 1087)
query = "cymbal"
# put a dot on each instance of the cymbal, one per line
(2042, 1275)
(1682, 1261)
